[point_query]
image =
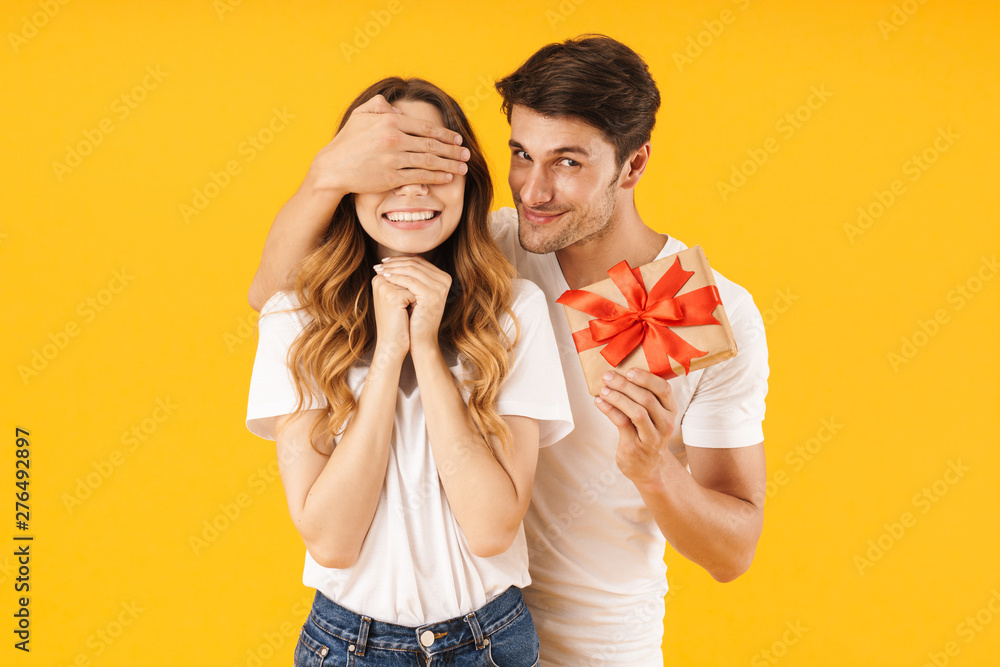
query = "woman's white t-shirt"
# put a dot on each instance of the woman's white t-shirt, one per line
(415, 566)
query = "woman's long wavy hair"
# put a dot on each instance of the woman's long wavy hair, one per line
(334, 287)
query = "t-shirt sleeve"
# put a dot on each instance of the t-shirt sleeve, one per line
(272, 391)
(727, 408)
(535, 387)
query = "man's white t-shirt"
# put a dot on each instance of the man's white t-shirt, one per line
(595, 552)
(415, 566)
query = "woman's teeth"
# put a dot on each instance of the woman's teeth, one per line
(405, 216)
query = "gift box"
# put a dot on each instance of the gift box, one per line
(665, 316)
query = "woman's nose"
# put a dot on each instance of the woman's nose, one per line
(412, 189)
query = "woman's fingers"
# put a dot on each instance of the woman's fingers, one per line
(429, 285)
(416, 274)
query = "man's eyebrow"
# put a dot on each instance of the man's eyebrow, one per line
(576, 150)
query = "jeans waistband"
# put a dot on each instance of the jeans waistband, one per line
(365, 632)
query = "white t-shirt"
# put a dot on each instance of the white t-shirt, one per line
(595, 552)
(415, 566)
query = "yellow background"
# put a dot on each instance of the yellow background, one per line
(115, 577)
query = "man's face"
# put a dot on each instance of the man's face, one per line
(564, 179)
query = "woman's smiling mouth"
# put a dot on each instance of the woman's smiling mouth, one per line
(411, 219)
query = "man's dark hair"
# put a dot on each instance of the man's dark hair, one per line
(594, 78)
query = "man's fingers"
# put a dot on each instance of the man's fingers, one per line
(637, 413)
(431, 162)
(432, 147)
(376, 104)
(444, 150)
(422, 176)
(652, 393)
(418, 127)
(617, 417)
(655, 384)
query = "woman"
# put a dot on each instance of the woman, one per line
(409, 383)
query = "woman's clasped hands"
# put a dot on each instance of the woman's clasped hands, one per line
(410, 295)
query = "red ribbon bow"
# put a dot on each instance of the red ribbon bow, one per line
(647, 319)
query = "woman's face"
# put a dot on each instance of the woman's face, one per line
(412, 219)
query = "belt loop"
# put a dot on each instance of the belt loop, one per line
(477, 632)
(363, 636)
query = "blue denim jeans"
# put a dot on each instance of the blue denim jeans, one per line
(498, 634)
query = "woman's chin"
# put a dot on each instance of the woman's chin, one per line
(406, 249)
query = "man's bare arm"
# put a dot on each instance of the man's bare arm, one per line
(377, 150)
(714, 514)
(296, 230)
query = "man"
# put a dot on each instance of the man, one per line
(607, 497)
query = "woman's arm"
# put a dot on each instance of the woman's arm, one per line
(332, 499)
(488, 490)
(378, 149)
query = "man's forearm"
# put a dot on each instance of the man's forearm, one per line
(295, 232)
(716, 530)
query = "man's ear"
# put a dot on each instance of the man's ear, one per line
(635, 166)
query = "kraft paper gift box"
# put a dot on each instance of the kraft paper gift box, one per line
(666, 317)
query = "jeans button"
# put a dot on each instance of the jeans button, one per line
(426, 638)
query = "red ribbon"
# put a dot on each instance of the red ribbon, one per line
(647, 319)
